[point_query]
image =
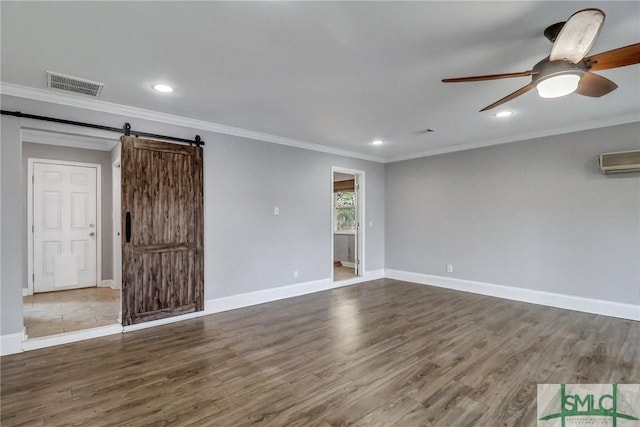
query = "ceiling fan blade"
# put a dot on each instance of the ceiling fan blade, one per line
(592, 84)
(509, 97)
(615, 58)
(577, 35)
(489, 77)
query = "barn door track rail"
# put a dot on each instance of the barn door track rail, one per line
(126, 129)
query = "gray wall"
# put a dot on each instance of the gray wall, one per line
(52, 152)
(534, 214)
(247, 248)
(344, 247)
(14, 267)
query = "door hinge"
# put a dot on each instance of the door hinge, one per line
(357, 186)
(358, 262)
(33, 180)
(32, 230)
(33, 278)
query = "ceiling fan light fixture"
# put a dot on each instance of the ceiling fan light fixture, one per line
(558, 85)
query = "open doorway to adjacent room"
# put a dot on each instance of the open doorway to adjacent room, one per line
(72, 194)
(347, 213)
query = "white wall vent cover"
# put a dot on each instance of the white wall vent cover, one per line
(73, 84)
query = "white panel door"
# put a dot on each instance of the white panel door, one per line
(64, 227)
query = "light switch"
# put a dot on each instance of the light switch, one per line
(276, 211)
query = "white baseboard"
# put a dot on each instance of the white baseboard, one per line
(248, 299)
(108, 283)
(368, 275)
(587, 305)
(348, 264)
(10, 344)
(26, 292)
(165, 321)
(16, 344)
(69, 337)
(266, 295)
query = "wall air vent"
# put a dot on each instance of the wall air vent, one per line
(73, 84)
(625, 161)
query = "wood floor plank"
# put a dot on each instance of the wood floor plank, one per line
(381, 353)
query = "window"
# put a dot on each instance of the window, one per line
(345, 214)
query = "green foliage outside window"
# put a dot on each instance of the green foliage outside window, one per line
(345, 211)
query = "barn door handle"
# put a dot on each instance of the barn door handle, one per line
(127, 227)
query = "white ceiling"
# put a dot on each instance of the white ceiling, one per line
(339, 74)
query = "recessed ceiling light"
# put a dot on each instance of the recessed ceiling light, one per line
(377, 142)
(163, 88)
(504, 114)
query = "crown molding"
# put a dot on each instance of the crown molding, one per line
(44, 95)
(610, 121)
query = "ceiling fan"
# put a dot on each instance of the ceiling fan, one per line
(566, 69)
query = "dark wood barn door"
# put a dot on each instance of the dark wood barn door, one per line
(162, 218)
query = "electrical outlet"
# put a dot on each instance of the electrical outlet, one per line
(449, 268)
(295, 274)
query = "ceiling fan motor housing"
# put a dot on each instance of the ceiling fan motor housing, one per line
(546, 69)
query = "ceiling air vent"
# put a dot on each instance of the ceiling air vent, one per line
(422, 131)
(73, 84)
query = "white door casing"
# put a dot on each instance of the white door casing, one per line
(65, 225)
(356, 245)
(117, 226)
(359, 181)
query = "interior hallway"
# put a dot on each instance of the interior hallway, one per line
(57, 312)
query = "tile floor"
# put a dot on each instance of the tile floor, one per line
(343, 273)
(57, 312)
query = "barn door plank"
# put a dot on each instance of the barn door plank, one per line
(163, 258)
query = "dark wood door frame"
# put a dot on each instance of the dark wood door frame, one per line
(163, 230)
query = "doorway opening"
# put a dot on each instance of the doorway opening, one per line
(70, 197)
(347, 214)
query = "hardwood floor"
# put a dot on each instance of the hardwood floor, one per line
(380, 353)
(57, 312)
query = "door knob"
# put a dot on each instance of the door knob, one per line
(92, 234)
